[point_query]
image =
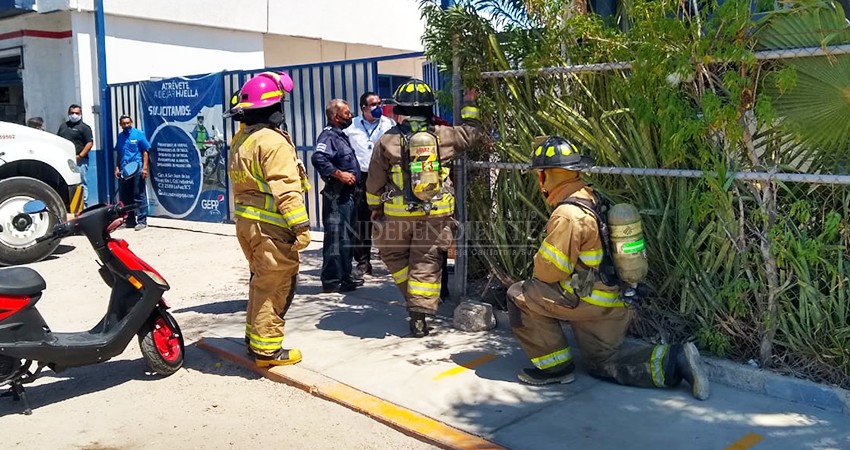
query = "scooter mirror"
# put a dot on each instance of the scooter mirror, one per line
(34, 207)
(130, 169)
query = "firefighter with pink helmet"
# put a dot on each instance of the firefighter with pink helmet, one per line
(271, 219)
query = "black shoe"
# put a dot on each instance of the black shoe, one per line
(690, 368)
(562, 373)
(364, 269)
(348, 286)
(418, 326)
(345, 286)
(357, 281)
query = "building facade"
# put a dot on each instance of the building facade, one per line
(48, 47)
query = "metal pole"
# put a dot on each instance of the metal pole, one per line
(461, 257)
(108, 159)
(788, 177)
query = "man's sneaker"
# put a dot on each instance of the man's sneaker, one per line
(562, 373)
(418, 326)
(140, 227)
(690, 367)
(283, 357)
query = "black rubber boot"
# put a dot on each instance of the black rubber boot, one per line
(690, 368)
(562, 373)
(418, 326)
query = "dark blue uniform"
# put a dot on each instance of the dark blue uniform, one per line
(334, 152)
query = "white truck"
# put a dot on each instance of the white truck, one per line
(34, 164)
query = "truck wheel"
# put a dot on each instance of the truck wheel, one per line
(18, 231)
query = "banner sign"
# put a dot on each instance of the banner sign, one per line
(182, 118)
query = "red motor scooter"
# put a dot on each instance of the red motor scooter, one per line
(136, 308)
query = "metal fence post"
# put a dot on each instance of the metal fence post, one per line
(460, 175)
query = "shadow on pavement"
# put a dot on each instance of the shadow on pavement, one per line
(365, 318)
(222, 307)
(76, 382)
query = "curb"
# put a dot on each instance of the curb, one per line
(401, 419)
(761, 381)
(754, 379)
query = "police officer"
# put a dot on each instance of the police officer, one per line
(565, 287)
(336, 162)
(271, 220)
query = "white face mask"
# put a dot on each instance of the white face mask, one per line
(74, 117)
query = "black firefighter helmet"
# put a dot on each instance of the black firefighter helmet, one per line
(414, 92)
(558, 153)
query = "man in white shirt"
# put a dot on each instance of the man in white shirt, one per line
(364, 132)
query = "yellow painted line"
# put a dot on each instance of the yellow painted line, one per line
(746, 442)
(76, 201)
(465, 366)
(404, 420)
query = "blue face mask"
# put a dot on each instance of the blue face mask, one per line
(377, 112)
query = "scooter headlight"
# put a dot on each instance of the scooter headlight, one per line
(157, 279)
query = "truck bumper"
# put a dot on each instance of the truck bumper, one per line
(75, 193)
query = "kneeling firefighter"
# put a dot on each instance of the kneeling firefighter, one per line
(572, 282)
(271, 221)
(411, 198)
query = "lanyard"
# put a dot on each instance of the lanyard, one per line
(366, 130)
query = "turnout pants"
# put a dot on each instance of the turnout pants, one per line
(412, 251)
(274, 271)
(536, 310)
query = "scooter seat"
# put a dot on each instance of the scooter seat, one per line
(20, 281)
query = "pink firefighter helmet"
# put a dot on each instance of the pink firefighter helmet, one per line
(265, 89)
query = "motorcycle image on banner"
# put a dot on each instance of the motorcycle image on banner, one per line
(183, 120)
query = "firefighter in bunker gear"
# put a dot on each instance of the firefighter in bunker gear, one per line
(271, 220)
(566, 287)
(410, 231)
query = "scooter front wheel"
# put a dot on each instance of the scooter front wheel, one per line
(162, 344)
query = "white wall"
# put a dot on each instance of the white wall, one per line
(49, 73)
(385, 23)
(394, 24)
(139, 49)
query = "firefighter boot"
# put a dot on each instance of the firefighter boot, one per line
(418, 326)
(690, 368)
(283, 357)
(562, 373)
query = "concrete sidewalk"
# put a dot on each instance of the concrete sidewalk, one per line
(452, 387)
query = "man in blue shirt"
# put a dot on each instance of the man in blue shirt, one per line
(132, 146)
(335, 160)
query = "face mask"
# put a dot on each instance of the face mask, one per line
(74, 117)
(377, 112)
(345, 123)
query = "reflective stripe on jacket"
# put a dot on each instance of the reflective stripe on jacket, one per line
(263, 170)
(385, 184)
(572, 244)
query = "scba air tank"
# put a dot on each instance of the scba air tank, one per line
(425, 179)
(628, 248)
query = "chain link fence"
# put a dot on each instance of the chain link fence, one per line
(753, 263)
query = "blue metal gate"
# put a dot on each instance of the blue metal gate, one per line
(315, 85)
